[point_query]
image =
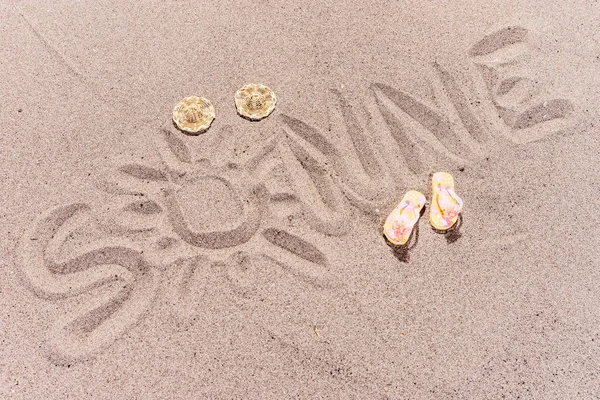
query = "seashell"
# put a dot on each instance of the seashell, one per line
(445, 203)
(255, 101)
(399, 224)
(193, 114)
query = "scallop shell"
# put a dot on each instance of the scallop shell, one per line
(193, 114)
(255, 101)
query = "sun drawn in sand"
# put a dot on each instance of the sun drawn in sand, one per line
(167, 220)
(155, 227)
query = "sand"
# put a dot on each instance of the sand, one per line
(248, 262)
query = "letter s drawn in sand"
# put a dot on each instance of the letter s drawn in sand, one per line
(116, 269)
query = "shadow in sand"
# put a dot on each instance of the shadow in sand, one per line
(454, 233)
(186, 132)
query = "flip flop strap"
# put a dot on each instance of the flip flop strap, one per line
(450, 193)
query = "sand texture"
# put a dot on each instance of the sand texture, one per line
(247, 262)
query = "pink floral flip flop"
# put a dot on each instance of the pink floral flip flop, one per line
(399, 224)
(445, 203)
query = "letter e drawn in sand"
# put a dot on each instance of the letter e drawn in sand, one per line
(528, 106)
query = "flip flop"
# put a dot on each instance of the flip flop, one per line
(445, 203)
(399, 224)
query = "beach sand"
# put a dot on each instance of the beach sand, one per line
(248, 261)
